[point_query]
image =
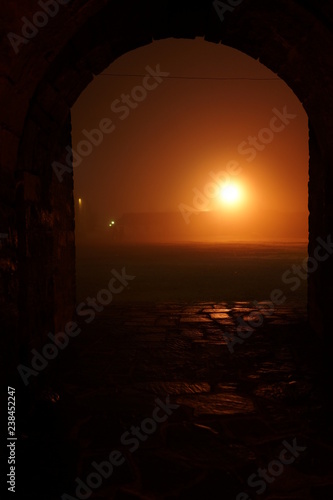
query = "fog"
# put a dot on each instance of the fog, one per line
(159, 133)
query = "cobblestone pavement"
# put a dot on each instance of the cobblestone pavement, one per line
(235, 409)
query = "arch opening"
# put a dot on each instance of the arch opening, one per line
(88, 49)
(41, 243)
(158, 173)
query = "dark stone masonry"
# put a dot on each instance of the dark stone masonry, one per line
(40, 83)
(50, 51)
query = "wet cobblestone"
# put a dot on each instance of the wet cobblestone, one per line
(235, 409)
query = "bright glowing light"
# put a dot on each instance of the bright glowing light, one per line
(112, 223)
(80, 201)
(231, 194)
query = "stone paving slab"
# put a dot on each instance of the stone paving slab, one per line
(235, 410)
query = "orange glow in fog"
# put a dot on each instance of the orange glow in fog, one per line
(231, 194)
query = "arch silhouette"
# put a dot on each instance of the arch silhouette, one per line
(50, 70)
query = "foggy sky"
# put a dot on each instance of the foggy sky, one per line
(160, 151)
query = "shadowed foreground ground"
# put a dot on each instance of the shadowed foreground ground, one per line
(236, 410)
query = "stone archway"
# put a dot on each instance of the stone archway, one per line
(50, 70)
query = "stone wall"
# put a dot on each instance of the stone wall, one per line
(40, 83)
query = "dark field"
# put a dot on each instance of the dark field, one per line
(193, 272)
